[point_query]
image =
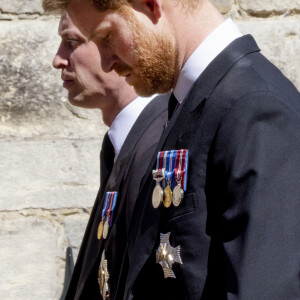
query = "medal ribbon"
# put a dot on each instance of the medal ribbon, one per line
(115, 195)
(109, 206)
(160, 162)
(160, 159)
(108, 211)
(175, 163)
(106, 203)
(181, 167)
(169, 164)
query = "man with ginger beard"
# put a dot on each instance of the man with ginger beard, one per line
(235, 234)
(135, 127)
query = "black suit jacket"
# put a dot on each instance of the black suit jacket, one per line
(123, 176)
(239, 223)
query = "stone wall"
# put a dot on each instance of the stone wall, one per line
(49, 150)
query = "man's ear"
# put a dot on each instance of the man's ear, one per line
(151, 8)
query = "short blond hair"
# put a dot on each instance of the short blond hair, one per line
(55, 6)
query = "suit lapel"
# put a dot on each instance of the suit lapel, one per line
(146, 219)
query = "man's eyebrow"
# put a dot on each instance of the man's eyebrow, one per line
(93, 35)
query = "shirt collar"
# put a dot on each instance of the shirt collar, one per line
(124, 121)
(213, 45)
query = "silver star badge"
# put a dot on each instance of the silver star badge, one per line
(166, 255)
(103, 277)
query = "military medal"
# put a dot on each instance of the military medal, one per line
(107, 214)
(100, 229)
(159, 176)
(180, 176)
(103, 277)
(103, 217)
(168, 195)
(158, 193)
(170, 177)
(105, 229)
(169, 164)
(177, 195)
(166, 255)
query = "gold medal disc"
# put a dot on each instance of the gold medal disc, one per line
(103, 277)
(105, 229)
(157, 196)
(101, 280)
(100, 229)
(177, 195)
(167, 196)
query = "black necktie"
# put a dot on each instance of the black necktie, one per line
(107, 157)
(173, 105)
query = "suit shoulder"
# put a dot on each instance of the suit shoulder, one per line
(160, 102)
(157, 108)
(256, 74)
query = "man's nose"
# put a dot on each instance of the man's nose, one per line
(60, 60)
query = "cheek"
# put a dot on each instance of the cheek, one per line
(123, 45)
(86, 61)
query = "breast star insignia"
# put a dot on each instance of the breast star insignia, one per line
(103, 277)
(166, 255)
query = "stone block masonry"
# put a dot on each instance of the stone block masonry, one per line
(49, 150)
(21, 7)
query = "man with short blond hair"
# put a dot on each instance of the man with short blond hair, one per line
(135, 125)
(222, 220)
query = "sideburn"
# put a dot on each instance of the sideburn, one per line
(155, 57)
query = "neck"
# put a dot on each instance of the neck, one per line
(116, 104)
(192, 28)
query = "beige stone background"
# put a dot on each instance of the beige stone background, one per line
(49, 150)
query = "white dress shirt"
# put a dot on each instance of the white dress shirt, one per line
(206, 52)
(124, 121)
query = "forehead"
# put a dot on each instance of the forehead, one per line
(89, 20)
(67, 26)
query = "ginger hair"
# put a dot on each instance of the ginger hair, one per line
(59, 6)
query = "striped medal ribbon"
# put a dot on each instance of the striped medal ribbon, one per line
(107, 214)
(169, 159)
(180, 176)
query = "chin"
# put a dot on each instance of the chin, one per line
(145, 90)
(83, 102)
(75, 102)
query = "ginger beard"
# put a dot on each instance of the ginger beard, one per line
(154, 57)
